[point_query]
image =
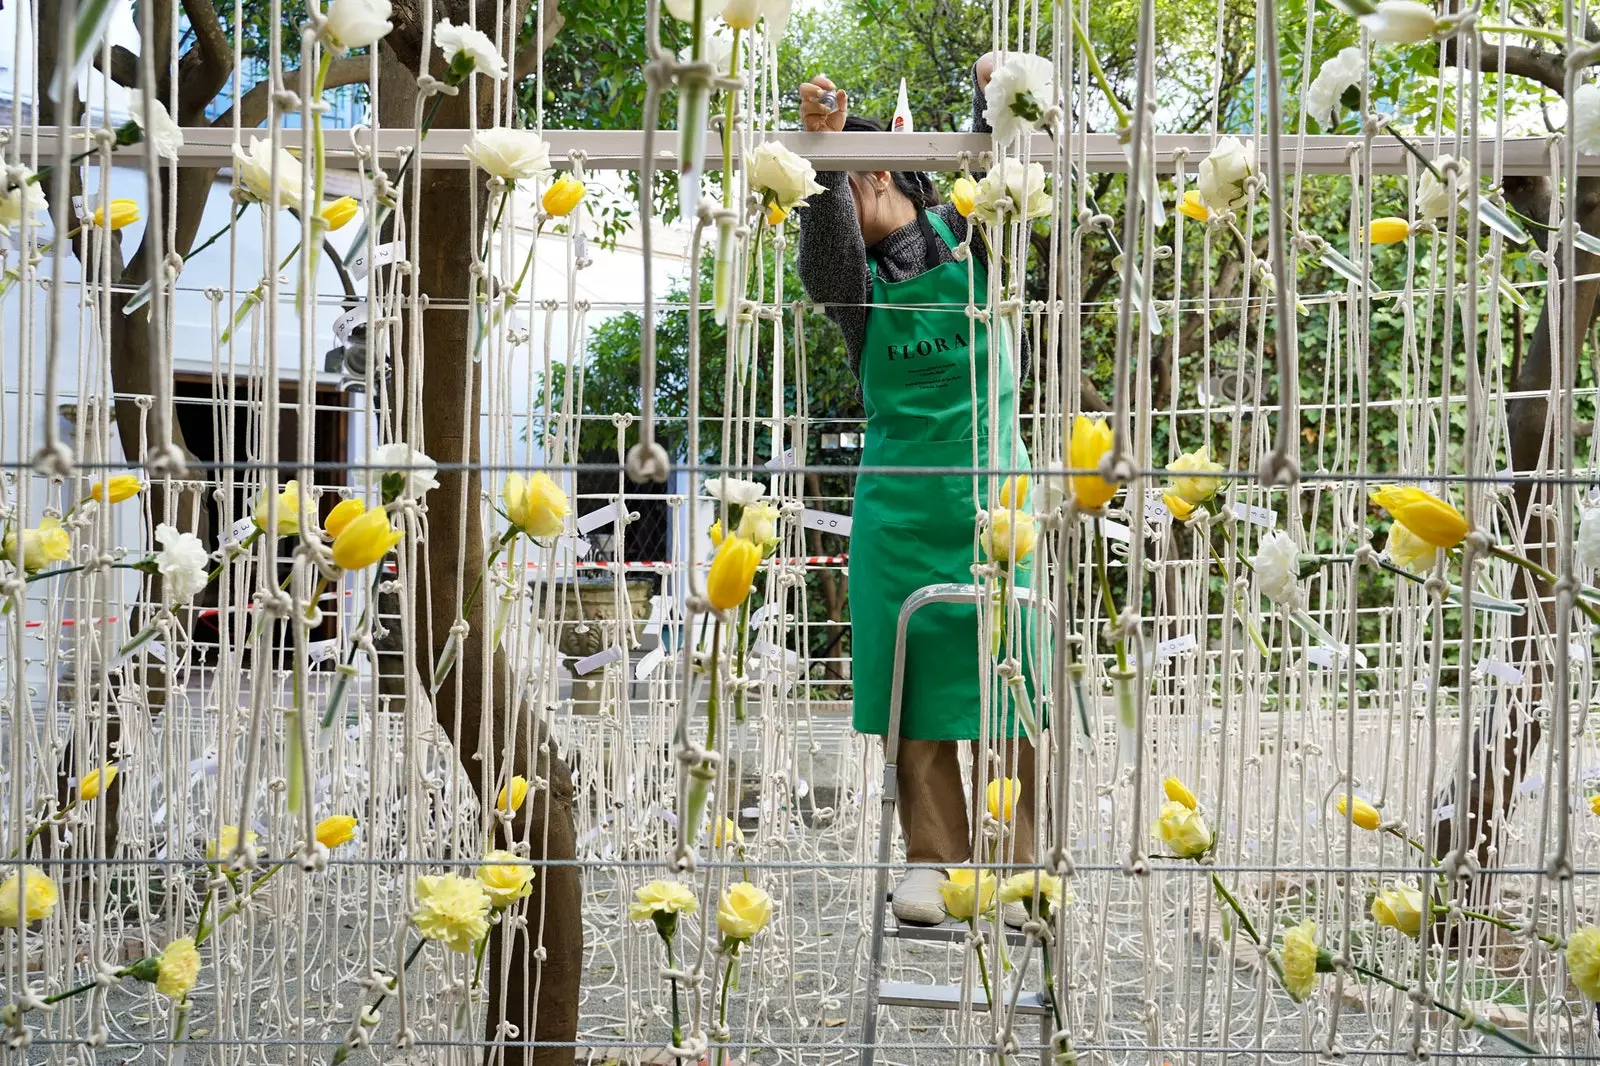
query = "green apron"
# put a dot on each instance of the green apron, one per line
(908, 531)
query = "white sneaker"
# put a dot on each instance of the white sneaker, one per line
(917, 898)
(1015, 915)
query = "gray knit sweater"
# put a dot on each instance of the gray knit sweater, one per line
(833, 256)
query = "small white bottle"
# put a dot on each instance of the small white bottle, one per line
(902, 112)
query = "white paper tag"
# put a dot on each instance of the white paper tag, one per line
(760, 614)
(1259, 516)
(1155, 509)
(383, 255)
(826, 521)
(1500, 671)
(765, 649)
(1168, 649)
(783, 461)
(589, 664)
(1114, 530)
(321, 651)
(157, 650)
(1324, 656)
(576, 545)
(647, 665)
(241, 529)
(660, 611)
(595, 519)
(347, 322)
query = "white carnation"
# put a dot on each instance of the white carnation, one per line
(787, 176)
(183, 563)
(471, 47)
(1277, 567)
(1224, 172)
(733, 491)
(1433, 195)
(399, 459)
(358, 23)
(158, 128)
(1338, 74)
(1588, 547)
(1017, 95)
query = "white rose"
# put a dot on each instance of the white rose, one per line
(1588, 546)
(1584, 125)
(1224, 172)
(1009, 180)
(1277, 566)
(25, 198)
(258, 172)
(787, 176)
(400, 460)
(1017, 96)
(1401, 22)
(509, 154)
(358, 23)
(1433, 195)
(159, 129)
(183, 563)
(1338, 74)
(472, 48)
(734, 491)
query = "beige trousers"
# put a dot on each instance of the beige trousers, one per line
(937, 814)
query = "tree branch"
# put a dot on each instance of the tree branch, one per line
(210, 38)
(124, 68)
(350, 70)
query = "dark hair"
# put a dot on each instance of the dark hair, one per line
(916, 185)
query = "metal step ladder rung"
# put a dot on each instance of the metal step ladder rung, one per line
(948, 997)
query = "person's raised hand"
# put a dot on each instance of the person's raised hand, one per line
(984, 69)
(815, 114)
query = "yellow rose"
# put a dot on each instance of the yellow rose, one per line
(1195, 486)
(1002, 795)
(1183, 830)
(1010, 537)
(344, 512)
(535, 505)
(744, 911)
(964, 194)
(365, 540)
(1031, 887)
(732, 571)
(223, 844)
(337, 212)
(1388, 230)
(1178, 792)
(1360, 812)
(1400, 908)
(1423, 513)
(506, 877)
(39, 897)
(512, 794)
(1192, 206)
(288, 510)
(122, 487)
(178, 968)
(1300, 960)
(1583, 960)
(451, 909)
(1180, 507)
(562, 196)
(49, 543)
(967, 892)
(336, 829)
(1089, 443)
(123, 213)
(661, 898)
(1410, 552)
(96, 781)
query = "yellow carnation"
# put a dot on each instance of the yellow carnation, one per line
(179, 968)
(451, 909)
(39, 897)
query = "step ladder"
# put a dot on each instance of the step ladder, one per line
(881, 993)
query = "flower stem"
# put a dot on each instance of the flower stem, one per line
(727, 980)
(1486, 1027)
(1098, 71)
(712, 698)
(983, 969)
(1589, 609)
(738, 664)
(201, 935)
(1416, 152)
(1556, 36)
(1502, 923)
(1238, 606)
(677, 1017)
(1112, 611)
(1050, 984)
(319, 168)
(727, 124)
(344, 1051)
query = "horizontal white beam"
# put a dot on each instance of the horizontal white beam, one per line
(622, 149)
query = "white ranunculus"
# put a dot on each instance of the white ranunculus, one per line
(1017, 95)
(358, 23)
(464, 44)
(734, 491)
(159, 128)
(509, 154)
(778, 19)
(1277, 566)
(1588, 547)
(258, 174)
(399, 460)
(787, 176)
(683, 10)
(740, 14)
(1025, 187)
(183, 563)
(1584, 126)
(1224, 172)
(1401, 22)
(1341, 72)
(1433, 195)
(25, 198)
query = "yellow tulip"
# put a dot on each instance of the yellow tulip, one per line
(1423, 513)
(744, 911)
(1360, 812)
(1089, 443)
(505, 877)
(1014, 492)
(123, 213)
(1195, 486)
(732, 571)
(1178, 792)
(122, 487)
(96, 781)
(535, 505)
(1192, 206)
(344, 512)
(223, 844)
(715, 533)
(1583, 960)
(1408, 551)
(1399, 907)
(288, 510)
(39, 897)
(967, 892)
(776, 214)
(365, 540)
(1388, 230)
(562, 196)
(964, 194)
(512, 794)
(1002, 795)
(1011, 536)
(726, 831)
(49, 543)
(337, 212)
(336, 829)
(1180, 507)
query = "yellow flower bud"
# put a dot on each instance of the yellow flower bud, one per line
(1388, 230)
(1178, 792)
(732, 571)
(562, 196)
(715, 533)
(1180, 507)
(344, 512)
(1014, 492)
(96, 781)
(1191, 206)
(1089, 442)
(1360, 812)
(337, 212)
(1002, 795)
(224, 843)
(365, 540)
(123, 213)
(1594, 803)
(964, 194)
(1423, 513)
(512, 794)
(122, 487)
(336, 829)
(726, 831)
(1031, 888)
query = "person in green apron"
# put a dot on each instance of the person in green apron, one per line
(878, 250)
